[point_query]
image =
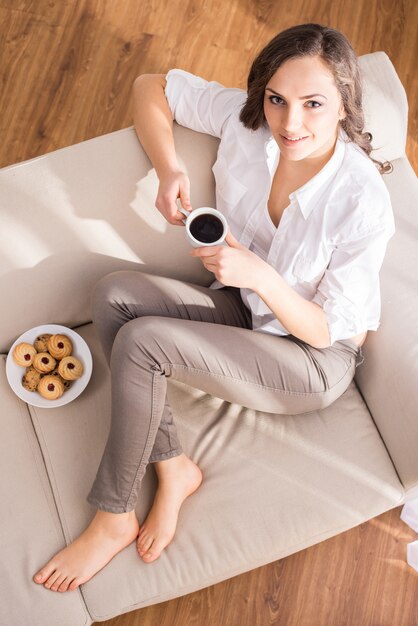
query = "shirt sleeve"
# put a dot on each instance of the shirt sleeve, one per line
(201, 105)
(350, 287)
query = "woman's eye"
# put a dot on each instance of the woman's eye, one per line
(273, 98)
(311, 104)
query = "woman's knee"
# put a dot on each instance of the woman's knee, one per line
(143, 331)
(111, 289)
(141, 340)
(104, 287)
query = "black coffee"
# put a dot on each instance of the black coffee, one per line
(207, 228)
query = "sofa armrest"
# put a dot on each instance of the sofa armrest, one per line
(388, 377)
(385, 106)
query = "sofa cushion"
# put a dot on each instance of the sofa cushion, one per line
(30, 530)
(281, 483)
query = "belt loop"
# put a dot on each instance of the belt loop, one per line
(359, 356)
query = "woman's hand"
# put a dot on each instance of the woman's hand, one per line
(235, 266)
(173, 185)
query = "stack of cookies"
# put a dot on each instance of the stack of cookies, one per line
(50, 365)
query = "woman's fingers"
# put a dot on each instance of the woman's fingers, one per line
(209, 255)
(182, 211)
(206, 251)
(174, 187)
(170, 210)
(185, 193)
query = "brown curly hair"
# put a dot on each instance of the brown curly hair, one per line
(336, 51)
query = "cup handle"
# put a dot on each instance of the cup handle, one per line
(180, 208)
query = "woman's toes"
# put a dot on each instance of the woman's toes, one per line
(156, 549)
(142, 539)
(51, 580)
(43, 575)
(149, 557)
(74, 584)
(144, 544)
(63, 586)
(58, 582)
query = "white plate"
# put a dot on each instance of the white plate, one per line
(80, 350)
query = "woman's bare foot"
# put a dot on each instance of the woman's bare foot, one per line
(178, 478)
(107, 535)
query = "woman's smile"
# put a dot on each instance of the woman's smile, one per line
(293, 142)
(304, 126)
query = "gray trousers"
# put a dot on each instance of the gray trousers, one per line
(152, 328)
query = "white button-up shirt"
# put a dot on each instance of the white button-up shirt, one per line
(331, 239)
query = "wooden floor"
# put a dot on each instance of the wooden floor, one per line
(66, 69)
(67, 66)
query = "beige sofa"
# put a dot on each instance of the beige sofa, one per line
(274, 484)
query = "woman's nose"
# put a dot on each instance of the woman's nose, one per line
(292, 119)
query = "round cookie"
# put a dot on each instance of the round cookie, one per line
(41, 342)
(31, 378)
(23, 354)
(51, 387)
(44, 362)
(66, 383)
(60, 346)
(70, 368)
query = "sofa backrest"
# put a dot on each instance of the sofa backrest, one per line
(388, 377)
(76, 214)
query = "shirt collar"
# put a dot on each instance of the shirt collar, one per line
(253, 143)
(310, 191)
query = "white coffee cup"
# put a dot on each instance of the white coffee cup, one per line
(205, 230)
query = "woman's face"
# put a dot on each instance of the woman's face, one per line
(301, 100)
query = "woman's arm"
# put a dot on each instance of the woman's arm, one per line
(303, 319)
(153, 122)
(237, 266)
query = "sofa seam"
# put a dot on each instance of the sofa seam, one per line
(43, 464)
(382, 439)
(49, 468)
(44, 453)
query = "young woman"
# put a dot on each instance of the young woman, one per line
(296, 289)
